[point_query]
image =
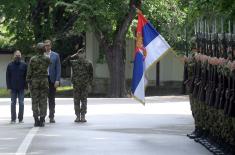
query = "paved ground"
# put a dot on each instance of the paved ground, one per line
(114, 127)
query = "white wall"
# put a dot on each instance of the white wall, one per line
(92, 54)
(171, 68)
(4, 60)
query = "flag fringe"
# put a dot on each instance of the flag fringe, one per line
(136, 98)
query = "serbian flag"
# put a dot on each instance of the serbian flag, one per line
(150, 47)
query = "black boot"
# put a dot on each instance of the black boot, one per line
(83, 119)
(192, 135)
(77, 119)
(36, 122)
(42, 121)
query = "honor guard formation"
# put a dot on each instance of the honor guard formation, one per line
(210, 82)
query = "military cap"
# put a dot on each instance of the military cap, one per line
(40, 45)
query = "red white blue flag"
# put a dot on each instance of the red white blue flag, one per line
(150, 46)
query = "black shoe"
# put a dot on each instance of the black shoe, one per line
(36, 122)
(13, 121)
(52, 120)
(21, 121)
(42, 121)
(197, 139)
(192, 135)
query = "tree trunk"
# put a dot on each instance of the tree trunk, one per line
(116, 65)
(115, 55)
(40, 13)
(116, 58)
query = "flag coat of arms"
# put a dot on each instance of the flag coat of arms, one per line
(150, 46)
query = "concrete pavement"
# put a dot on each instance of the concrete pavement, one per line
(115, 127)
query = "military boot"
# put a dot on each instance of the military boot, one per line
(36, 122)
(42, 121)
(77, 118)
(83, 119)
(52, 120)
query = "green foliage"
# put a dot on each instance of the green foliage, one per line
(64, 88)
(4, 92)
(104, 15)
(212, 8)
(209, 10)
(5, 37)
(16, 15)
(29, 22)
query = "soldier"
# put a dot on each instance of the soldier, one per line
(38, 84)
(81, 78)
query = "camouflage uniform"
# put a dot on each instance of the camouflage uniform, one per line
(81, 78)
(38, 82)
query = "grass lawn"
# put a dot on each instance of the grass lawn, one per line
(4, 92)
(61, 91)
(65, 91)
(64, 88)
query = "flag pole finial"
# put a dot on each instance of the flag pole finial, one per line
(138, 11)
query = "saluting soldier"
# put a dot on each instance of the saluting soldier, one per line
(81, 78)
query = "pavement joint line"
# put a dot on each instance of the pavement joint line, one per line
(27, 141)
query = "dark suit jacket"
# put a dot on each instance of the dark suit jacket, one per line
(16, 76)
(55, 67)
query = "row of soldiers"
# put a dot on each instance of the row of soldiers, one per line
(210, 81)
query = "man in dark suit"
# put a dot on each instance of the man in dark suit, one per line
(16, 83)
(54, 73)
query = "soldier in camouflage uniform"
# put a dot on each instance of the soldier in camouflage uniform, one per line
(38, 84)
(81, 78)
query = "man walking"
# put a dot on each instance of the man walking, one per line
(16, 83)
(38, 84)
(54, 73)
(82, 77)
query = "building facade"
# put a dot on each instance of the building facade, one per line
(5, 58)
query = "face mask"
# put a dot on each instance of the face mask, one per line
(17, 60)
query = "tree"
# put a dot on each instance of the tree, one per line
(28, 22)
